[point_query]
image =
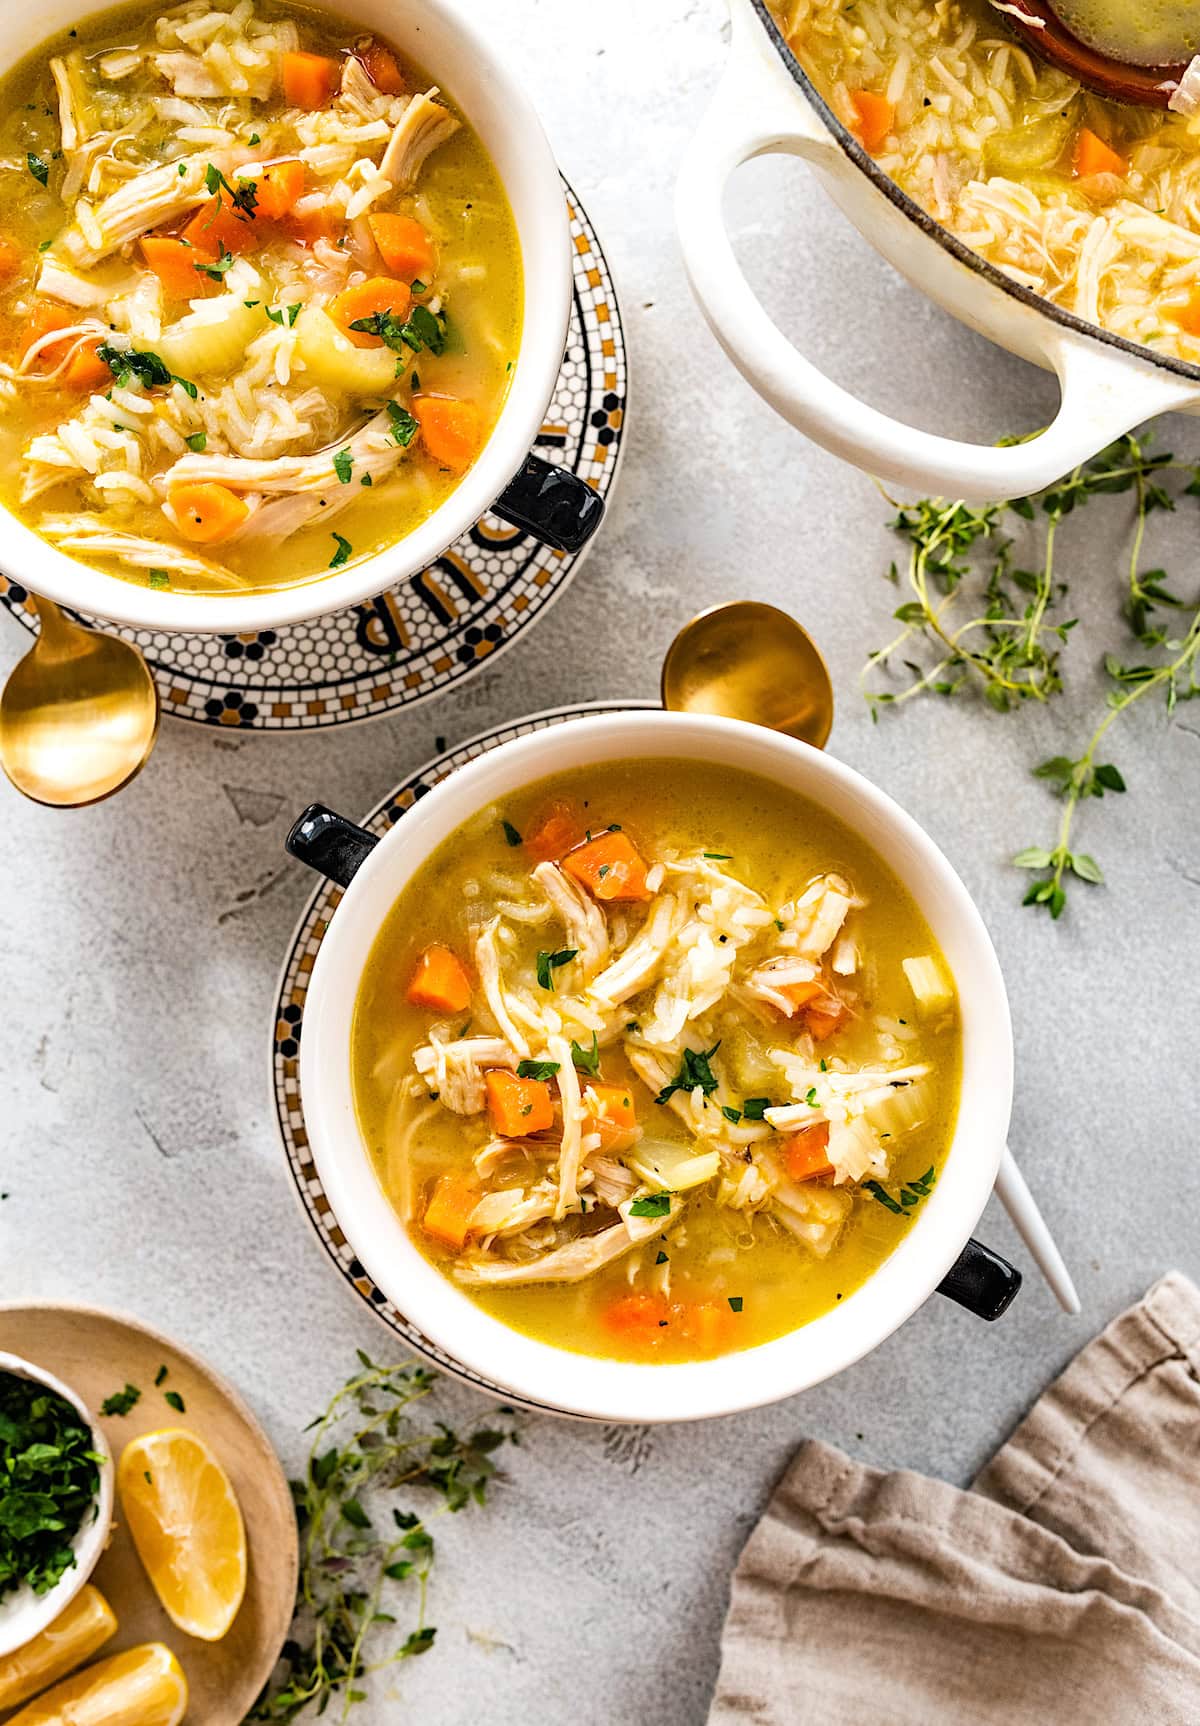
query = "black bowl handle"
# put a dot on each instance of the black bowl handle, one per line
(330, 844)
(981, 1280)
(552, 504)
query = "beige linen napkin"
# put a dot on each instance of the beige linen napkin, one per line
(1062, 1590)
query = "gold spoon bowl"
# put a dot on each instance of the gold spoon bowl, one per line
(751, 661)
(78, 715)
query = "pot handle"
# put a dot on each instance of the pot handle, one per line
(330, 844)
(551, 503)
(758, 110)
(982, 1281)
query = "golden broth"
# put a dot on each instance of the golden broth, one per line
(717, 1258)
(264, 400)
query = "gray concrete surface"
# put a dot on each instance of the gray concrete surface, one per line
(142, 939)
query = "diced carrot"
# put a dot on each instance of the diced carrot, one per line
(382, 67)
(313, 225)
(555, 830)
(207, 512)
(404, 246)
(707, 1327)
(804, 1153)
(217, 228)
(609, 866)
(615, 1115)
(86, 370)
(647, 1322)
(1094, 156)
(517, 1106)
(309, 80)
(449, 1209)
(11, 259)
(175, 262)
(451, 430)
(874, 118)
(1188, 316)
(277, 189)
(639, 1319)
(822, 1018)
(367, 300)
(800, 994)
(43, 318)
(440, 982)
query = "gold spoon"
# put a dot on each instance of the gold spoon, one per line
(750, 661)
(78, 715)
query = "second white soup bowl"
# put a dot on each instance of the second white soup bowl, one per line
(375, 873)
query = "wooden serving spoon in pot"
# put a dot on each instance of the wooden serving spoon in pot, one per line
(1129, 50)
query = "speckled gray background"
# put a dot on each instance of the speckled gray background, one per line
(142, 939)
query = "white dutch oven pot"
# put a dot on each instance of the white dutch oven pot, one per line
(550, 503)
(766, 105)
(934, 1251)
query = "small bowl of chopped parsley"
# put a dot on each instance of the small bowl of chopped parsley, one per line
(56, 1499)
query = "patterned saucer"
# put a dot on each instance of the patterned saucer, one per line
(437, 628)
(289, 1022)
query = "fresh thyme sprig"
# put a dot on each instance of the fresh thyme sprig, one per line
(1010, 652)
(354, 1540)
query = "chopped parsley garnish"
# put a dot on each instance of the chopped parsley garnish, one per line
(243, 198)
(536, 1070)
(182, 169)
(197, 443)
(733, 1115)
(651, 1205)
(755, 1108)
(779, 924)
(548, 962)
(694, 1071)
(735, 1303)
(366, 480)
(216, 271)
(149, 369)
(633, 1029)
(810, 1096)
(39, 169)
(121, 1401)
(419, 287)
(720, 856)
(173, 1399)
(404, 427)
(51, 1478)
(824, 1065)
(159, 578)
(254, 138)
(587, 1060)
(911, 1193)
(511, 834)
(423, 329)
(344, 552)
(159, 1376)
(45, 245)
(661, 1259)
(343, 465)
(278, 314)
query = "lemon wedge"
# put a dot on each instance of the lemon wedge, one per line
(187, 1527)
(85, 1625)
(143, 1687)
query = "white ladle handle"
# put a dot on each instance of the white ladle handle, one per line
(1027, 1219)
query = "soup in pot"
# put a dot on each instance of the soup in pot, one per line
(261, 289)
(656, 1063)
(1092, 204)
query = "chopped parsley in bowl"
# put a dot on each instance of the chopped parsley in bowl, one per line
(55, 1499)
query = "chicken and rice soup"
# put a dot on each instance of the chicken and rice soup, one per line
(656, 1067)
(1090, 203)
(262, 289)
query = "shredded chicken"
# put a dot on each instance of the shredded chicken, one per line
(638, 965)
(770, 982)
(455, 1070)
(424, 125)
(73, 533)
(151, 198)
(583, 919)
(817, 916)
(511, 1210)
(70, 104)
(571, 1149)
(487, 961)
(571, 1263)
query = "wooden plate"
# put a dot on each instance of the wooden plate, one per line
(97, 1353)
